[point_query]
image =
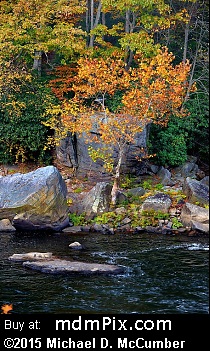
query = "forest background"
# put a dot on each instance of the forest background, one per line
(49, 49)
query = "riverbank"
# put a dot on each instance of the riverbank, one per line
(160, 202)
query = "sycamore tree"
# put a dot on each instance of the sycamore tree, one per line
(151, 92)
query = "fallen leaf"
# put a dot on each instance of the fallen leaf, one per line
(6, 308)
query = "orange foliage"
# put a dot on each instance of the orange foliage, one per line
(151, 93)
(62, 84)
(159, 89)
(6, 308)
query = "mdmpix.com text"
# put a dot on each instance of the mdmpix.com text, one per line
(112, 323)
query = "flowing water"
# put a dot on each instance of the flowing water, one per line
(162, 274)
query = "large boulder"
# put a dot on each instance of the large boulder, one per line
(159, 202)
(196, 191)
(195, 216)
(189, 169)
(164, 176)
(35, 200)
(96, 201)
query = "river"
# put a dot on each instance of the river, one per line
(162, 274)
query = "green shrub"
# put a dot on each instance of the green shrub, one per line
(159, 186)
(109, 217)
(169, 144)
(183, 136)
(77, 219)
(22, 133)
(147, 184)
(78, 190)
(176, 223)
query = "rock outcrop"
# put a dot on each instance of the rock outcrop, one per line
(35, 200)
(73, 152)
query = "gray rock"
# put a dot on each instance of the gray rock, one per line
(205, 181)
(97, 227)
(76, 246)
(73, 230)
(194, 214)
(58, 266)
(31, 256)
(126, 221)
(154, 168)
(196, 191)
(158, 202)
(120, 210)
(106, 230)
(121, 197)
(6, 226)
(201, 227)
(96, 201)
(153, 230)
(165, 177)
(137, 191)
(35, 200)
(189, 169)
(73, 151)
(66, 152)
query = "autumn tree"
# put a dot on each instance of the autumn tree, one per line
(188, 40)
(31, 29)
(29, 32)
(136, 24)
(150, 93)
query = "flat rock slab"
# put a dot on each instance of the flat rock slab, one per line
(31, 256)
(57, 266)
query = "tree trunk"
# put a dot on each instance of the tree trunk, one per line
(130, 22)
(186, 37)
(94, 23)
(37, 65)
(103, 21)
(116, 184)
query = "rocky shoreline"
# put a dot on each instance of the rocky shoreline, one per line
(45, 199)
